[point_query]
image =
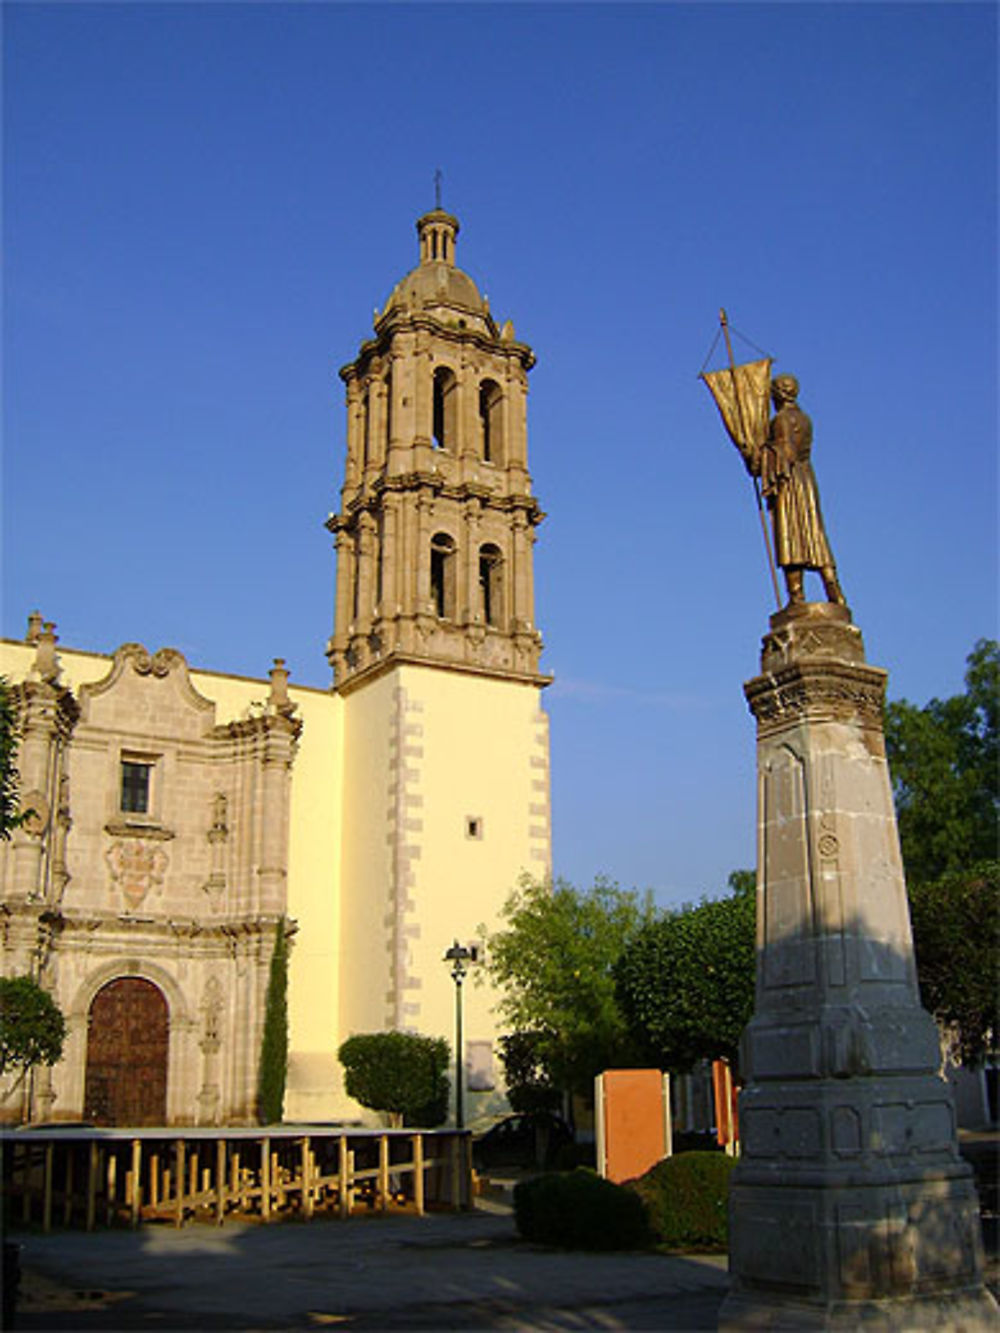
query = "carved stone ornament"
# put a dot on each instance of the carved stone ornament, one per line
(37, 813)
(160, 663)
(137, 866)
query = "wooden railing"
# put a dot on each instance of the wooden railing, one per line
(92, 1177)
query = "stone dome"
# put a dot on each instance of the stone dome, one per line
(436, 281)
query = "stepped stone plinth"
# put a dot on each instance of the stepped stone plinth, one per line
(850, 1205)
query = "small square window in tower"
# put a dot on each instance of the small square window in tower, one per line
(135, 787)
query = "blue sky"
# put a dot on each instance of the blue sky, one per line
(203, 203)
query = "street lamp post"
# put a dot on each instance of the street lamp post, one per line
(459, 956)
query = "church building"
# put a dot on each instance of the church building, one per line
(181, 817)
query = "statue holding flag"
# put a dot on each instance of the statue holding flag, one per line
(776, 451)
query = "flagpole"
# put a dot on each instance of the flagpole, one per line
(756, 488)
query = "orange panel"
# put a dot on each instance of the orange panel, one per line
(634, 1135)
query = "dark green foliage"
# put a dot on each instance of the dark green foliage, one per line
(274, 1046)
(687, 1200)
(571, 1155)
(945, 765)
(528, 1085)
(956, 937)
(552, 964)
(401, 1073)
(32, 1028)
(9, 816)
(578, 1210)
(687, 981)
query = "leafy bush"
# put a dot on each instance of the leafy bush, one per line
(687, 1200)
(398, 1072)
(579, 1210)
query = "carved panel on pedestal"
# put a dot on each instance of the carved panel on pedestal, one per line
(788, 956)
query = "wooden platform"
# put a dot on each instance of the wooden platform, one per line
(105, 1177)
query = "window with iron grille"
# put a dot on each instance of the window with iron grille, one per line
(135, 787)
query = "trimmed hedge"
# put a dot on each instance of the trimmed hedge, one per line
(579, 1210)
(687, 1200)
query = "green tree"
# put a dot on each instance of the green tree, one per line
(529, 1087)
(273, 1071)
(401, 1073)
(956, 938)
(945, 764)
(553, 962)
(9, 816)
(32, 1028)
(687, 982)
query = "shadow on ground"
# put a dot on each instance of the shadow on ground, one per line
(443, 1271)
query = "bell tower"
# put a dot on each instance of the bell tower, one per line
(435, 654)
(436, 523)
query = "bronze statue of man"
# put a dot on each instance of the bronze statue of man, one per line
(789, 486)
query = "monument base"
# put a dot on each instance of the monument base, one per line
(950, 1312)
(850, 1206)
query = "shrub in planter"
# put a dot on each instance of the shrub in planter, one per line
(687, 1200)
(580, 1211)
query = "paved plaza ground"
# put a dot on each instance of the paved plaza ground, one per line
(443, 1271)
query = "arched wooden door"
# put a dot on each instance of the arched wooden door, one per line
(127, 1044)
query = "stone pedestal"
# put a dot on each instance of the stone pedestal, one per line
(850, 1205)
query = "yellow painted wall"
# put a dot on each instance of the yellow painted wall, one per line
(367, 858)
(481, 736)
(475, 747)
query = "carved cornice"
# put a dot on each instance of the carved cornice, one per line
(120, 827)
(395, 659)
(394, 321)
(369, 501)
(833, 691)
(262, 724)
(164, 928)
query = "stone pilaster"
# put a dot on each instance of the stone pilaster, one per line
(850, 1206)
(47, 715)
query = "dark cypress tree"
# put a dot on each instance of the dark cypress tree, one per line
(274, 1046)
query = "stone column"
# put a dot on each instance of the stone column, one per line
(421, 555)
(279, 732)
(850, 1206)
(342, 618)
(389, 556)
(468, 610)
(377, 449)
(366, 571)
(521, 599)
(355, 435)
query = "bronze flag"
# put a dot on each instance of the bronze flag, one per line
(742, 395)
